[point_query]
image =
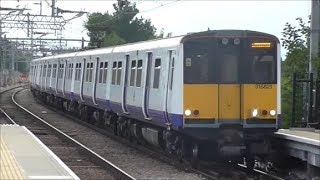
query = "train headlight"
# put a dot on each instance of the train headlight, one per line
(188, 112)
(254, 112)
(272, 112)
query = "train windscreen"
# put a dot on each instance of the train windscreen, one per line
(229, 61)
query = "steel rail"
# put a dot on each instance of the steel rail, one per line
(8, 117)
(99, 159)
(2, 111)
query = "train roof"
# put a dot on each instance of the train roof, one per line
(158, 43)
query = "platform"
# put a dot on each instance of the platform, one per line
(24, 156)
(301, 143)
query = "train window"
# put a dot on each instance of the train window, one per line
(119, 72)
(78, 76)
(139, 73)
(133, 72)
(229, 68)
(114, 73)
(105, 72)
(90, 72)
(44, 71)
(71, 71)
(156, 75)
(54, 71)
(100, 72)
(68, 71)
(172, 70)
(263, 70)
(59, 71)
(49, 70)
(87, 72)
(76, 73)
(80, 69)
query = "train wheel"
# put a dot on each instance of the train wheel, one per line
(128, 130)
(194, 155)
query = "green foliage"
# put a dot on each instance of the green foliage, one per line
(112, 39)
(296, 41)
(120, 27)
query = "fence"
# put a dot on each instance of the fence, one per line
(305, 101)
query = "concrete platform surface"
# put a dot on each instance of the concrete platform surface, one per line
(308, 136)
(24, 156)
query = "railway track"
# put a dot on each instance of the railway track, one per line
(81, 159)
(209, 172)
(139, 164)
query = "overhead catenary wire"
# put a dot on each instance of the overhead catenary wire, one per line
(144, 11)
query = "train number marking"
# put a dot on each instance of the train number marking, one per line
(263, 86)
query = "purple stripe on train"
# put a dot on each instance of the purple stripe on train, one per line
(135, 112)
(156, 115)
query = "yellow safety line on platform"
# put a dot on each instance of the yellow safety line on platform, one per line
(9, 168)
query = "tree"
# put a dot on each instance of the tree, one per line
(120, 27)
(296, 40)
(98, 25)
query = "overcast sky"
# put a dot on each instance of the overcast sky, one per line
(181, 17)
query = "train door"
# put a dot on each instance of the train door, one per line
(169, 84)
(82, 78)
(229, 89)
(125, 84)
(94, 88)
(57, 76)
(45, 76)
(146, 86)
(64, 70)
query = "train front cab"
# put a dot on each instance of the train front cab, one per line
(231, 87)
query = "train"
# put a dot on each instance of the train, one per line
(220, 88)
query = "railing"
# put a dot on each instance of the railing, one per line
(305, 101)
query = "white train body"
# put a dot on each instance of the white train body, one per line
(131, 79)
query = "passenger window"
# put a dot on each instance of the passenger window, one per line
(49, 70)
(59, 71)
(87, 72)
(229, 69)
(100, 72)
(71, 71)
(62, 68)
(68, 71)
(114, 73)
(139, 73)
(76, 75)
(79, 72)
(133, 72)
(45, 71)
(54, 71)
(172, 70)
(91, 72)
(156, 76)
(119, 72)
(105, 72)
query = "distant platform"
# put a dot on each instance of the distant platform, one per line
(24, 156)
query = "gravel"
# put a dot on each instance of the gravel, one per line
(134, 162)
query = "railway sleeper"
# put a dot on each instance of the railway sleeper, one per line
(175, 144)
